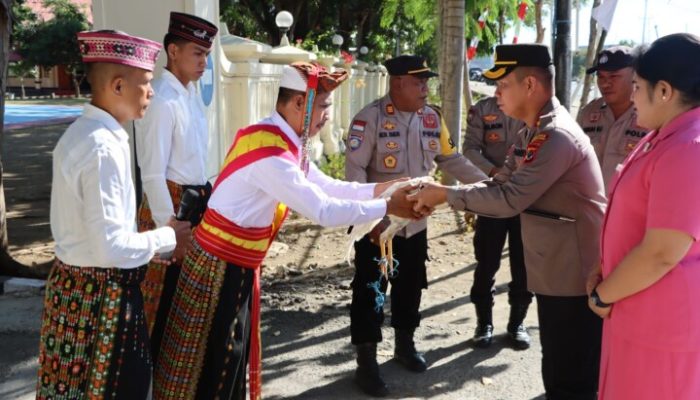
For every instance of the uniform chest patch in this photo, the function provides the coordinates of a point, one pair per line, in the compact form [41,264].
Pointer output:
[430,121]
[594,117]
[392,145]
[389,126]
[355,141]
[433,144]
[358,125]
[493,137]
[434,134]
[489,117]
[534,146]
[390,162]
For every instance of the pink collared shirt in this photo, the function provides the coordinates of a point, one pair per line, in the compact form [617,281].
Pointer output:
[658,187]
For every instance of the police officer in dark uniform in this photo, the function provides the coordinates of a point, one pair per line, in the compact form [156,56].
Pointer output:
[490,135]
[553,180]
[393,137]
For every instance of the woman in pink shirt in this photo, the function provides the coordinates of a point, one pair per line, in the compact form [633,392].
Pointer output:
[648,287]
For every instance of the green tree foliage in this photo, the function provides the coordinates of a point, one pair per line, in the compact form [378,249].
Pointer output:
[23,30]
[54,42]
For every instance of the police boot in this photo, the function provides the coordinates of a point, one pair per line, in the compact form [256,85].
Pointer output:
[516,330]
[483,336]
[405,351]
[367,373]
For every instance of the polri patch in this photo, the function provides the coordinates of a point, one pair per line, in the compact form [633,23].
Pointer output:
[534,146]
[355,141]
[358,125]
[430,121]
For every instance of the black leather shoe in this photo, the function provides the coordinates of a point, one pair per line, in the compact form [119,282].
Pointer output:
[405,351]
[483,336]
[519,337]
[367,375]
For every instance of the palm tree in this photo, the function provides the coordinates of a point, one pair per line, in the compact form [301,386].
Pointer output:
[452,58]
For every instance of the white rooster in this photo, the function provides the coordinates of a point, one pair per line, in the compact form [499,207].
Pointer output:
[386,262]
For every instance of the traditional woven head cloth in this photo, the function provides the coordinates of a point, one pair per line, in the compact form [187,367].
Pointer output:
[192,28]
[118,48]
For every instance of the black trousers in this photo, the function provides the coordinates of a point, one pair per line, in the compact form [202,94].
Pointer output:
[489,239]
[406,287]
[570,334]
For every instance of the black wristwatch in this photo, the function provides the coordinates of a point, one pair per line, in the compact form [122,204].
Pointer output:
[596,299]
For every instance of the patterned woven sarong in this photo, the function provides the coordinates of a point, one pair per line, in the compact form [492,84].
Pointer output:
[94,343]
[179,366]
[152,285]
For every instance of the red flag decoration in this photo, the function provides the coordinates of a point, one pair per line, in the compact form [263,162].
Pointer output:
[522,11]
[471,50]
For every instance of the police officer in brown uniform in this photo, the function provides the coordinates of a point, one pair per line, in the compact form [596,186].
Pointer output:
[554,180]
[490,134]
[611,121]
[393,137]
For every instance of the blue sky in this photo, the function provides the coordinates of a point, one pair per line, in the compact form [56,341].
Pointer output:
[664,16]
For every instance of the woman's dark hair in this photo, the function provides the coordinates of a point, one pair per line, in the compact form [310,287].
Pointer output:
[674,59]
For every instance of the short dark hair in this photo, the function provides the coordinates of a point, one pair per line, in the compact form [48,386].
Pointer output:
[545,75]
[172,39]
[673,59]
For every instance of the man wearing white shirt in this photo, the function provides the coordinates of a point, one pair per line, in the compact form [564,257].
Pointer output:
[216,307]
[93,316]
[171,148]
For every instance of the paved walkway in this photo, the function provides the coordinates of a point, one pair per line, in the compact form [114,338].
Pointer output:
[22,116]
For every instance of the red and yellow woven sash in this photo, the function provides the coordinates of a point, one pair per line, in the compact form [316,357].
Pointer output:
[247,247]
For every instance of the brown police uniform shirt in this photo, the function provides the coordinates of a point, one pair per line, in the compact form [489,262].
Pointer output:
[490,134]
[554,170]
[384,144]
[612,139]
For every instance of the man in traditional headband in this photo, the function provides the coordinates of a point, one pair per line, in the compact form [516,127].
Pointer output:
[209,327]
[94,342]
[171,148]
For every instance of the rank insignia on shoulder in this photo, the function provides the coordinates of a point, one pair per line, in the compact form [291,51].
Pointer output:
[420,111]
[390,162]
[489,117]
[392,145]
[355,141]
[430,121]
[389,126]
[358,125]
[493,137]
[389,109]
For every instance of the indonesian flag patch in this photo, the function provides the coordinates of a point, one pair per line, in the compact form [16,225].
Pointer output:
[358,125]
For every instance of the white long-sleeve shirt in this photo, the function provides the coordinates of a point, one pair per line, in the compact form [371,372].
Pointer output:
[93,205]
[249,196]
[171,143]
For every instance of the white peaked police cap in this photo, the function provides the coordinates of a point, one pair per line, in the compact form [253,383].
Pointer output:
[293,79]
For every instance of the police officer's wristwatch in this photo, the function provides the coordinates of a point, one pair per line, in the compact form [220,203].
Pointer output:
[596,299]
